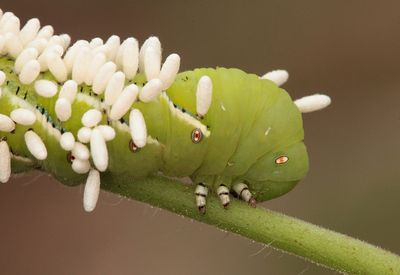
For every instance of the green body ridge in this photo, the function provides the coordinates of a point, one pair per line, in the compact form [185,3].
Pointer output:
[251,123]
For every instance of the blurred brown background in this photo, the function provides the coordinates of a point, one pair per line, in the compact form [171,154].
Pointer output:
[348,49]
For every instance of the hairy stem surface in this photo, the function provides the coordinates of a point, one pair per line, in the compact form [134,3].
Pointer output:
[311,242]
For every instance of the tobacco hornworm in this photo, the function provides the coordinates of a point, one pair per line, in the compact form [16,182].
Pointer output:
[110,107]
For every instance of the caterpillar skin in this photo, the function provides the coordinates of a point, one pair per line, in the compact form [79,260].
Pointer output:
[243,134]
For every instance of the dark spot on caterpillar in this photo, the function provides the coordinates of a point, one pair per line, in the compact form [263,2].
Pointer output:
[183,110]
[70,157]
[175,105]
[4,138]
[8,82]
[199,117]
[197,135]
[133,147]
[81,89]
[57,126]
[17,91]
[26,94]
[135,83]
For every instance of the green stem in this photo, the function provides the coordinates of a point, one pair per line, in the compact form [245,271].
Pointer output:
[311,242]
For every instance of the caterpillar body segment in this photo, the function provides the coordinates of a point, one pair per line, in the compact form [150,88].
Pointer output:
[87,109]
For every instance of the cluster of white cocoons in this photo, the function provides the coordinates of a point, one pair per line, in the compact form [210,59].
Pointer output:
[35,49]
[24,117]
[96,135]
[104,65]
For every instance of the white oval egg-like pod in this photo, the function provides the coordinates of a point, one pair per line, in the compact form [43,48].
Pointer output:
[23,116]
[45,88]
[35,145]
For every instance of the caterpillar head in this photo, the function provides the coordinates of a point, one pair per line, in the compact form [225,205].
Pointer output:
[279,171]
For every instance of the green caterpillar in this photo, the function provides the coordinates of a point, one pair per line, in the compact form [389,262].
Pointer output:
[111,108]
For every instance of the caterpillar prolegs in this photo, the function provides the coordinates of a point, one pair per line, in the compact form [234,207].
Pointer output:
[113,108]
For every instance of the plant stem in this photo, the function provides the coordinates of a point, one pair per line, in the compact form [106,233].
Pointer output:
[311,242]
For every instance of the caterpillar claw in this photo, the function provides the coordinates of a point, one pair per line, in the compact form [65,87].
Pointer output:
[252,202]
[202,210]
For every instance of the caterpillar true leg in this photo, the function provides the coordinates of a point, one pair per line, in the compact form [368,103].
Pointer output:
[243,192]
[223,194]
[201,194]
